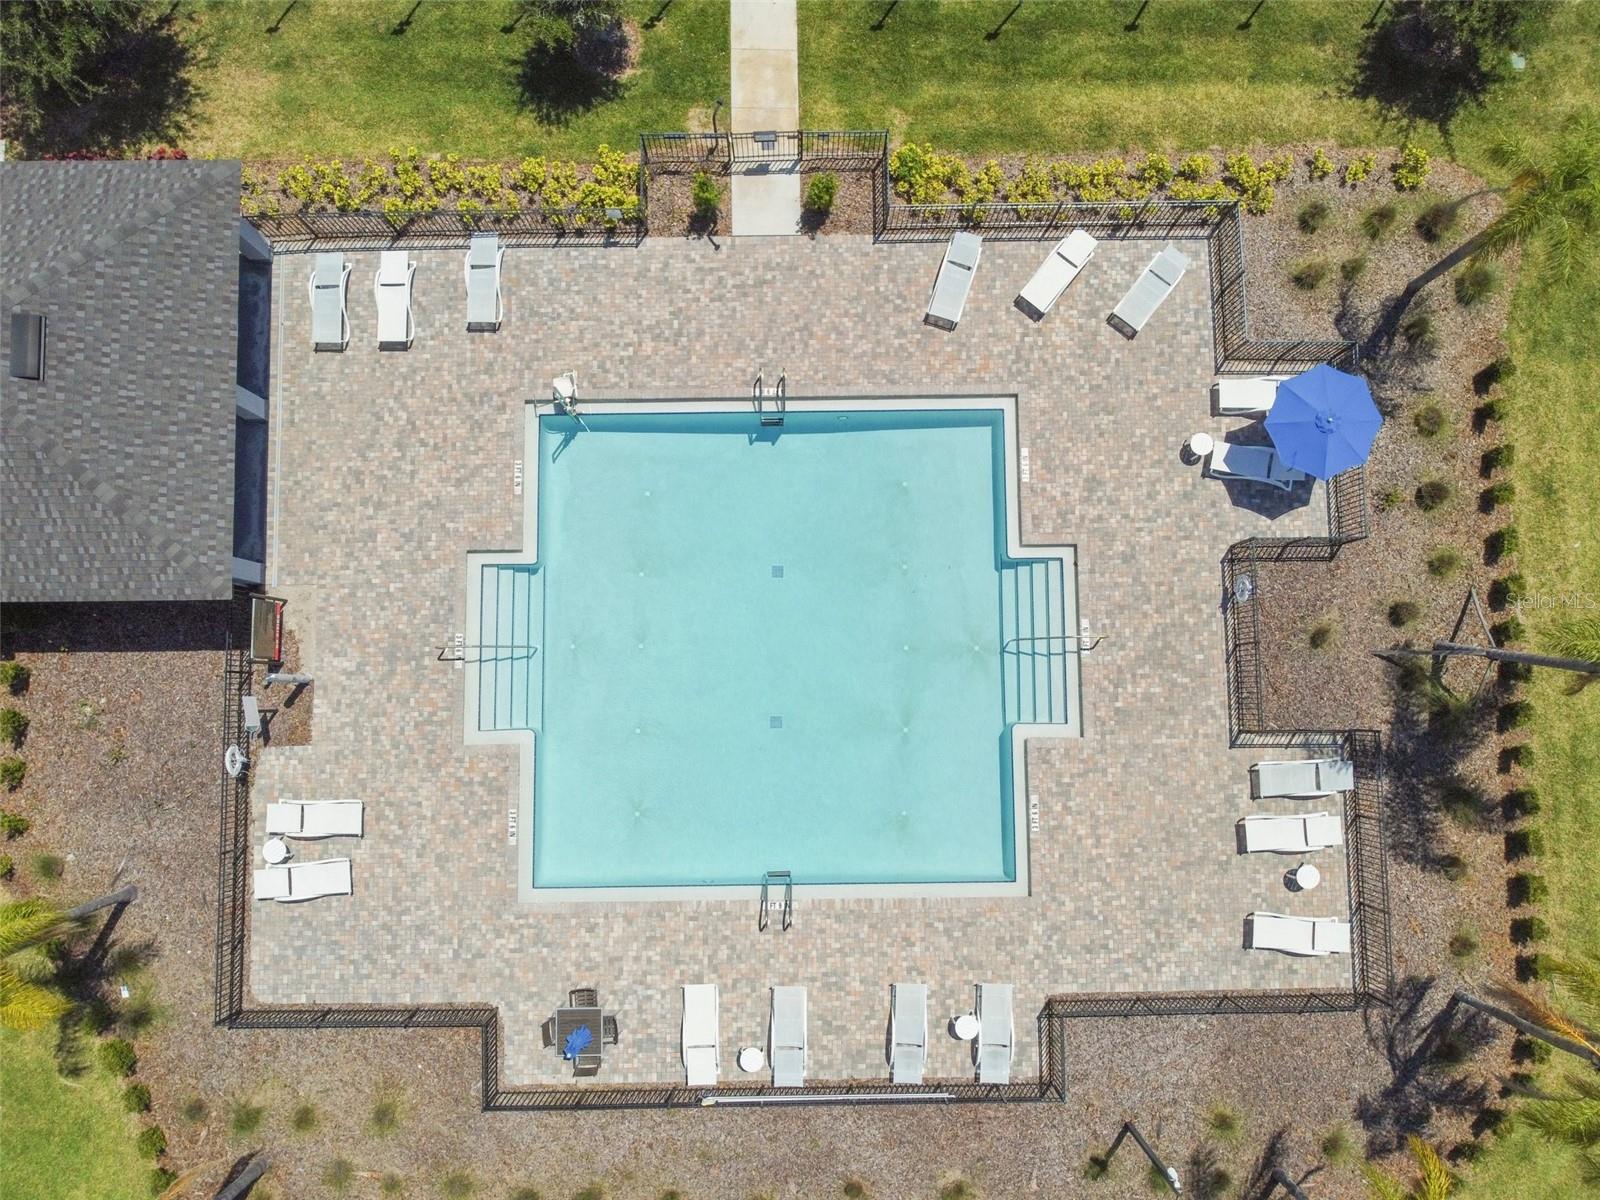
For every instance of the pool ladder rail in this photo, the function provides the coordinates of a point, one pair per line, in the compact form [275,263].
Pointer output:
[768,880]
[771,403]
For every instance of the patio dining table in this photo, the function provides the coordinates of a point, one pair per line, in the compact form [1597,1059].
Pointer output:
[568,1022]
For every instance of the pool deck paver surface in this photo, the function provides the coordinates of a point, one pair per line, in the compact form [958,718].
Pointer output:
[388,467]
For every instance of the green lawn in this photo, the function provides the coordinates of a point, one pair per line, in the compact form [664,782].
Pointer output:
[337,80]
[63,1139]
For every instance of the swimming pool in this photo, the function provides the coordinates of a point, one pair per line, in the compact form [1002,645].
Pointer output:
[744,648]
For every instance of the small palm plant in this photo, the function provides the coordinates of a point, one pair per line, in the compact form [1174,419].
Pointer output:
[29,998]
[1434,1183]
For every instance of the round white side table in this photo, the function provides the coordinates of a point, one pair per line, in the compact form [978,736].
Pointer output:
[1306,876]
[275,850]
[751,1059]
[965,1027]
[1200,444]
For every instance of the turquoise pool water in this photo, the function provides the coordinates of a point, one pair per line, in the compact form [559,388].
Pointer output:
[746,650]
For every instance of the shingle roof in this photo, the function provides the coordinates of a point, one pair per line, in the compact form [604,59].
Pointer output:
[116,468]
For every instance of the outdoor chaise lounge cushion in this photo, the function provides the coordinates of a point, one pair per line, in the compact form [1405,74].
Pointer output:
[1255,464]
[1245,397]
[996,1035]
[1297,935]
[788,1037]
[316,819]
[1290,834]
[483,282]
[391,288]
[954,281]
[330,322]
[1056,273]
[1301,777]
[700,1019]
[304,880]
[1153,286]
[908,1031]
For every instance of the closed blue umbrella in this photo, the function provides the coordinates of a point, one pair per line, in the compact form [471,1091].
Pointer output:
[577,1041]
[1323,421]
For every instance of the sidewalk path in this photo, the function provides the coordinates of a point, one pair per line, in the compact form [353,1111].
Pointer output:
[766,96]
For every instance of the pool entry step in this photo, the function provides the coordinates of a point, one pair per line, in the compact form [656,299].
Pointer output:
[1034,641]
[769,881]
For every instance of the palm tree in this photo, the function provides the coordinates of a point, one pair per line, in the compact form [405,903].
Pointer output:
[1553,198]
[27,998]
[1573,1118]
[1435,1182]
[1577,638]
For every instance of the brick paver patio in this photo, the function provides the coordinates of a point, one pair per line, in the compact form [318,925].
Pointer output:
[388,468]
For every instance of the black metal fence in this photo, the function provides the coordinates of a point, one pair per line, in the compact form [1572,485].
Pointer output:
[803,148]
[370,229]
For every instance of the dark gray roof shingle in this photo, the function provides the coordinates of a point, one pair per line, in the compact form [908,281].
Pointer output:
[116,468]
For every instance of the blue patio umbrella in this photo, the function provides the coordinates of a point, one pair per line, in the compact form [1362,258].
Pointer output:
[1323,421]
[577,1042]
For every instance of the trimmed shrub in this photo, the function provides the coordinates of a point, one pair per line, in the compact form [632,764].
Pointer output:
[1412,676]
[13,726]
[244,1118]
[854,1189]
[1502,543]
[458,1185]
[14,677]
[1453,867]
[1526,931]
[1313,215]
[304,1118]
[338,1175]
[1476,283]
[1524,843]
[1444,562]
[1436,221]
[1428,420]
[117,1056]
[151,1142]
[1508,589]
[1411,171]
[136,1098]
[385,1118]
[1524,888]
[1403,613]
[1514,714]
[706,195]
[1309,275]
[820,193]
[1520,755]
[1489,410]
[1387,499]
[13,825]
[1497,494]
[1319,165]
[1533,1050]
[161,1178]
[1358,168]
[7,867]
[193,1109]
[1322,635]
[1336,1145]
[1499,458]
[1155,170]
[1514,672]
[1431,493]
[392,1184]
[1351,269]
[1376,222]
[1223,1122]
[1196,167]
[45,866]
[1463,944]
[12,772]
[1507,632]
[1532,967]
[1419,333]
[1496,373]
[1522,802]
[1462,804]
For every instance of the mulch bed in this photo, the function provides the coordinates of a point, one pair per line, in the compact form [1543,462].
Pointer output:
[285,708]
[123,759]
[852,203]
[672,212]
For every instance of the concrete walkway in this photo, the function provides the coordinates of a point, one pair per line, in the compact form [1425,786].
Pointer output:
[766,96]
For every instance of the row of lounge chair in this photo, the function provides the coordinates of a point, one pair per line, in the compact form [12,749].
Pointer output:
[391,290]
[789,1050]
[1296,833]
[1053,276]
[309,820]
[1249,397]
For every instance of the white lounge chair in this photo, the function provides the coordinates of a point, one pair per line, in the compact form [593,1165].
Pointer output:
[1254,464]
[1290,834]
[700,1042]
[908,1032]
[1301,777]
[330,318]
[482,269]
[304,880]
[391,288]
[1056,273]
[1246,397]
[954,281]
[1153,286]
[1313,936]
[787,1049]
[315,819]
[996,1034]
